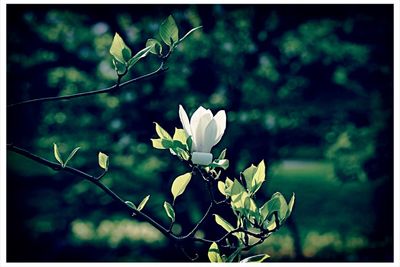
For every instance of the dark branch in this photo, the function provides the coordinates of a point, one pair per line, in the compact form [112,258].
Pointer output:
[118,85]
[94,180]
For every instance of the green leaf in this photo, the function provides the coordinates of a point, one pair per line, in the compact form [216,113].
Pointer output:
[228,186]
[179,184]
[256,258]
[169,210]
[57,154]
[259,177]
[180,135]
[103,161]
[189,32]
[213,253]
[130,204]
[226,225]
[163,134]
[156,47]
[70,156]
[223,154]
[278,204]
[220,163]
[119,67]
[182,153]
[169,31]
[221,187]
[143,203]
[119,50]
[248,176]
[141,54]
[189,142]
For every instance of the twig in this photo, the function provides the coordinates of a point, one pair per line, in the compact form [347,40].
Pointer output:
[94,180]
[160,69]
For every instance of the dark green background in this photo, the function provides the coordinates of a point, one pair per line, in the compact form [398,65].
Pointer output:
[308,88]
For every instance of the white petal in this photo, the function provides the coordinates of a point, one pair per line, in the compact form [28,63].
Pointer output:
[210,134]
[220,119]
[199,131]
[184,120]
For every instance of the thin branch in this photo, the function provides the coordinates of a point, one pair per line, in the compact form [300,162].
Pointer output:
[94,180]
[194,230]
[159,70]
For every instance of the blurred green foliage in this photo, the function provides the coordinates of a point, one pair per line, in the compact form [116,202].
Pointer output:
[306,87]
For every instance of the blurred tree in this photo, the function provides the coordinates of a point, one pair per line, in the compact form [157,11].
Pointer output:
[307,82]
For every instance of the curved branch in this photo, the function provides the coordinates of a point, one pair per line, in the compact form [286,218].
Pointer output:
[118,85]
[94,180]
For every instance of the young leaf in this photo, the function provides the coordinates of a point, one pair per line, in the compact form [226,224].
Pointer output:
[234,254]
[189,32]
[71,155]
[213,253]
[119,50]
[223,154]
[169,31]
[248,176]
[57,154]
[169,210]
[163,134]
[156,47]
[224,224]
[259,177]
[143,203]
[118,66]
[180,135]
[103,161]
[179,184]
[141,54]
[256,258]
[221,163]
[130,204]
[221,187]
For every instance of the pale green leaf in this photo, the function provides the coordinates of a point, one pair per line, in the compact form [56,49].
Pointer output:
[224,224]
[143,203]
[130,204]
[156,47]
[141,54]
[118,66]
[180,135]
[103,161]
[163,134]
[169,31]
[221,187]
[222,155]
[213,253]
[220,163]
[256,258]
[278,204]
[71,155]
[189,32]
[179,184]
[157,143]
[57,154]
[259,177]
[169,210]
[119,50]
[249,176]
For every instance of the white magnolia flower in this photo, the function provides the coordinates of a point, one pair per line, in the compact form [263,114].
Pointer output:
[206,131]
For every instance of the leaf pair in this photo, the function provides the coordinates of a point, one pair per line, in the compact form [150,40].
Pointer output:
[122,54]
[178,188]
[141,204]
[178,144]
[58,157]
[169,32]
